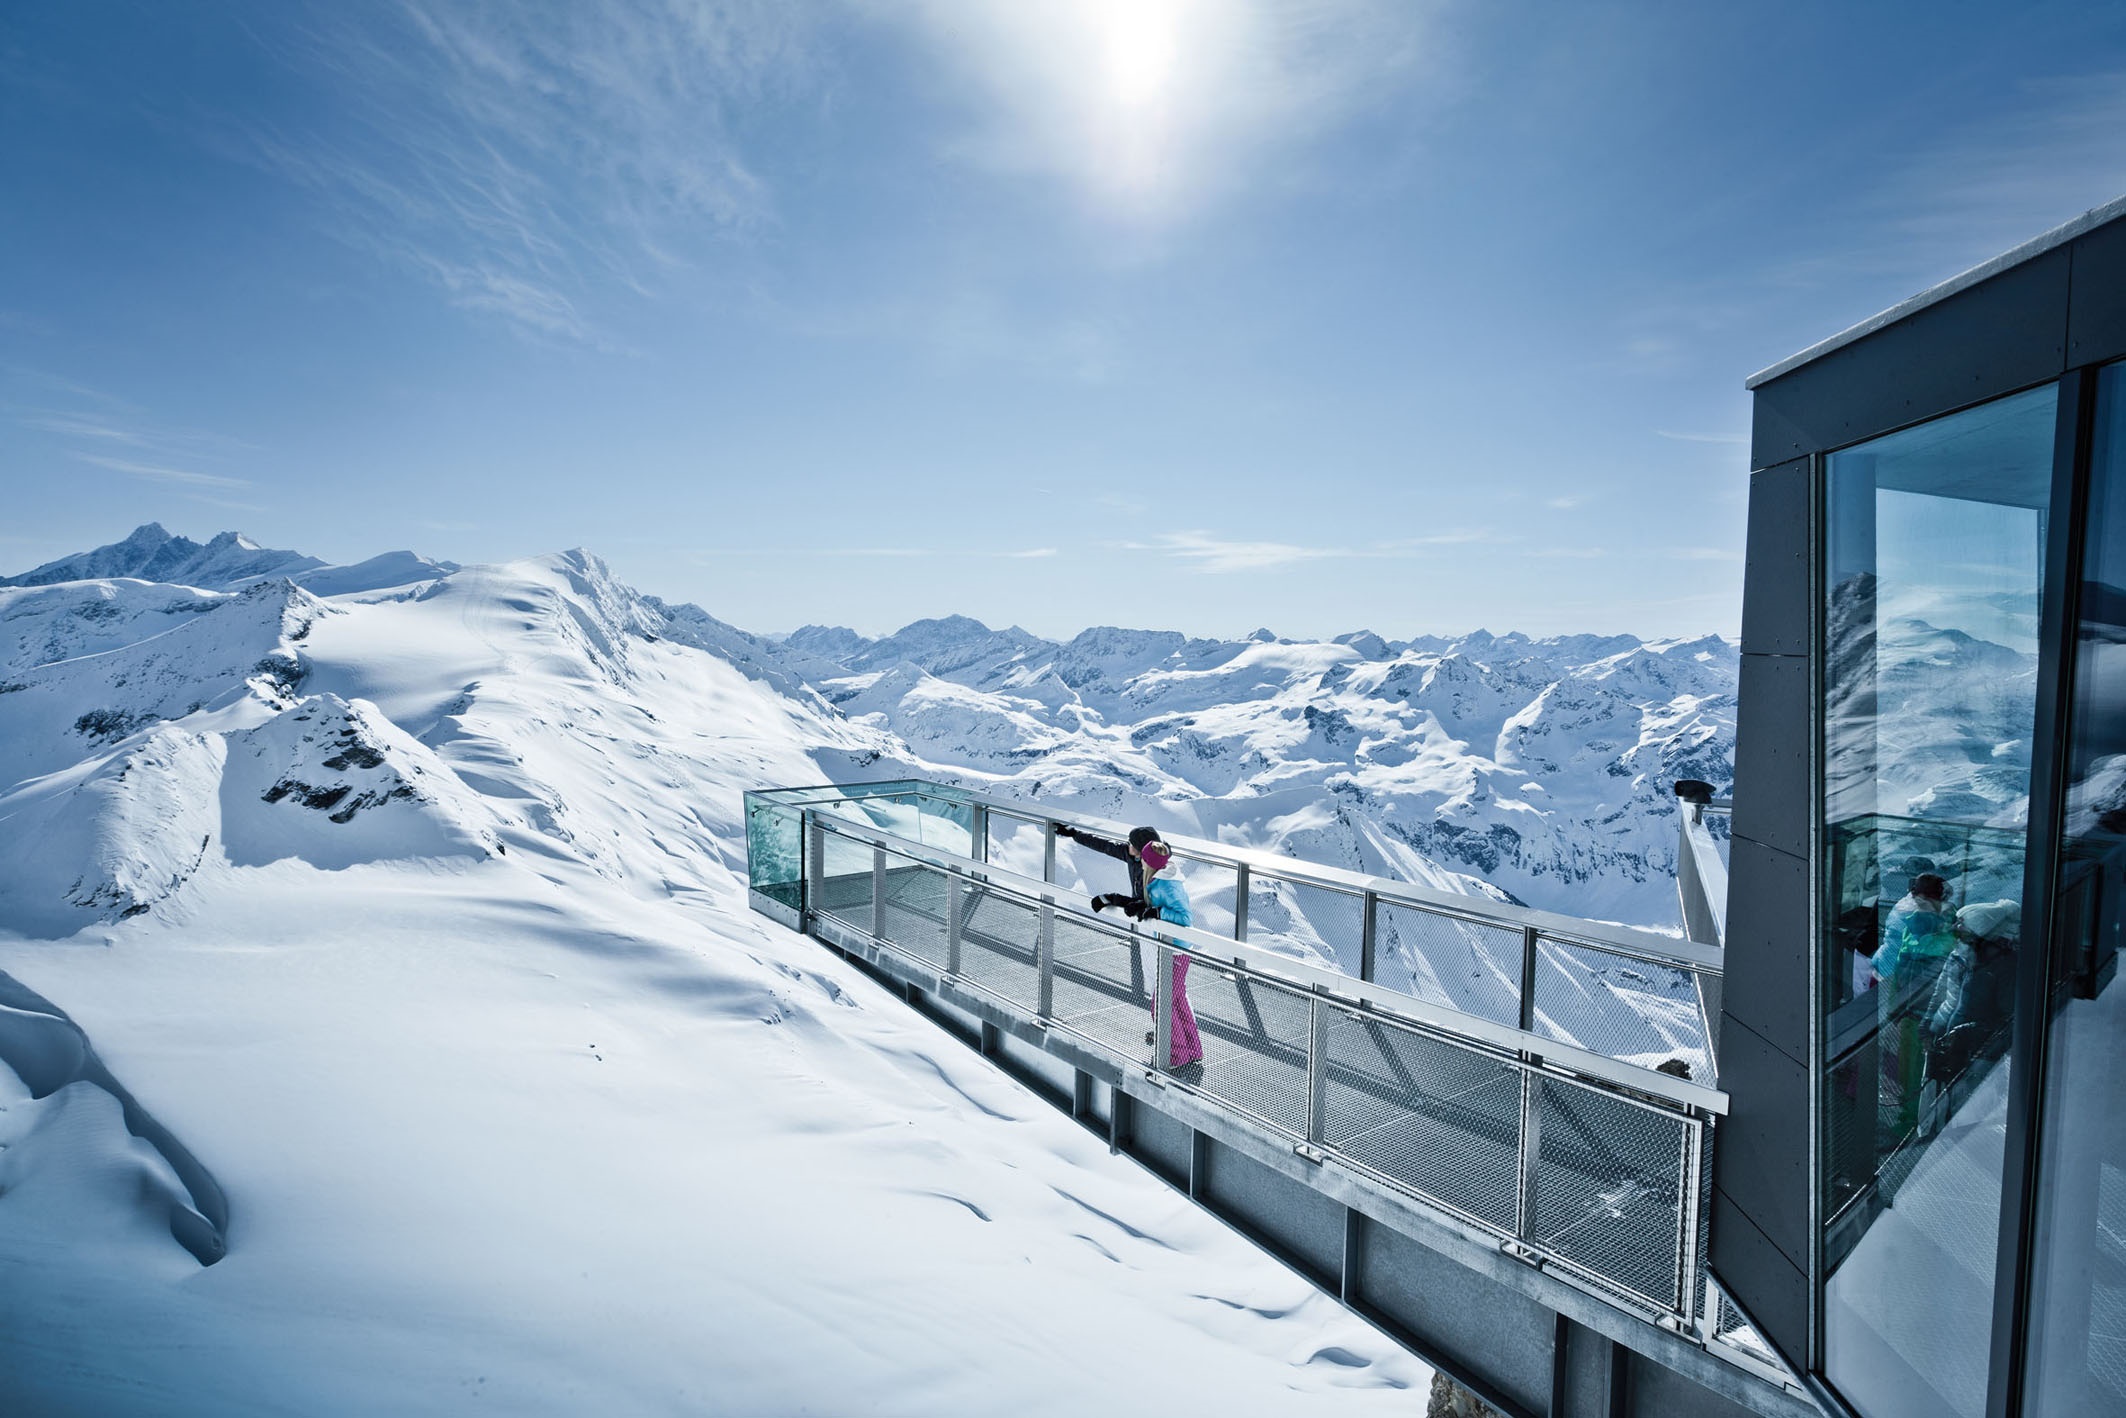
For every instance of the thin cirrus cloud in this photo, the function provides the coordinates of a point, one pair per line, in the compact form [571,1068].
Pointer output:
[1210,554]
[156,472]
[530,164]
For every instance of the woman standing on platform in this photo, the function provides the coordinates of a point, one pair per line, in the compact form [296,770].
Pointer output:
[1156,893]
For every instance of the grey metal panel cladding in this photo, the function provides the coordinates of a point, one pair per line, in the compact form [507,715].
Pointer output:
[1502,1334]
[1773,1293]
[1304,1223]
[1777,594]
[2001,335]
[1774,801]
[1761,1149]
[1658,1390]
[2096,312]
[1162,1142]
[1766,984]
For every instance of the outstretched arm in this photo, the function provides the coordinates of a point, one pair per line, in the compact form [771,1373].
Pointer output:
[1105,846]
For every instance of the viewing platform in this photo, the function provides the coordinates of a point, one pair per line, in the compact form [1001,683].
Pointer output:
[1501,1182]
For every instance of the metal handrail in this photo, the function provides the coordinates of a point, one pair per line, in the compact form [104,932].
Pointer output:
[1283,970]
[1649,947]
[1539,1063]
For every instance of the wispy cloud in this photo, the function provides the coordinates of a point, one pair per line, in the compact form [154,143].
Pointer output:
[1740,439]
[1564,504]
[904,553]
[531,163]
[158,473]
[1212,554]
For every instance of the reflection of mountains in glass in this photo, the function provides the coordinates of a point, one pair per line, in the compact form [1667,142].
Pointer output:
[1923,720]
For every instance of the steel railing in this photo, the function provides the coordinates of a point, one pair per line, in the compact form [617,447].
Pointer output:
[1507,964]
[1592,1167]
[1701,890]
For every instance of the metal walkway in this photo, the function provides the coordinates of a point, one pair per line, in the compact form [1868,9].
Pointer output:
[1332,1118]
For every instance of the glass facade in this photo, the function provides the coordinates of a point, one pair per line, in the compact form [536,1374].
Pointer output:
[1934,559]
[2077,1343]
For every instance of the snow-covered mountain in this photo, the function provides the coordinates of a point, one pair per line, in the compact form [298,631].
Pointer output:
[1541,767]
[411,919]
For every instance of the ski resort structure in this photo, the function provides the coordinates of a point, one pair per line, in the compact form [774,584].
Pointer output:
[1893,1181]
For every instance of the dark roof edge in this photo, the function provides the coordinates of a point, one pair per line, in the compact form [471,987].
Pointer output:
[2037,246]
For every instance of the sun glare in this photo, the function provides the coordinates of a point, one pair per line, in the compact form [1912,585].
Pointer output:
[1141,45]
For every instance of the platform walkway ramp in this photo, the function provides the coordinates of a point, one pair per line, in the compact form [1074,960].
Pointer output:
[1526,1214]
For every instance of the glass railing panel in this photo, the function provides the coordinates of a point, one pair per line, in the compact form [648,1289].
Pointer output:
[1212,889]
[775,859]
[1102,986]
[845,880]
[999,946]
[913,909]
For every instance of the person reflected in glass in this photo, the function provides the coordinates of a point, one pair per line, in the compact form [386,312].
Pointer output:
[1917,940]
[1156,893]
[1973,1001]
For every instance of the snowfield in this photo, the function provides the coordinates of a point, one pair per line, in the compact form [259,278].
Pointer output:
[415,914]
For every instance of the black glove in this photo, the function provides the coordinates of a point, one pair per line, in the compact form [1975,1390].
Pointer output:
[1114,898]
[1070,832]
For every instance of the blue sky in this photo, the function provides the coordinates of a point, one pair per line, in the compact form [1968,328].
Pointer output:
[1409,315]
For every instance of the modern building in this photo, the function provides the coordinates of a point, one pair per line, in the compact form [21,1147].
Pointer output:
[1920,1190]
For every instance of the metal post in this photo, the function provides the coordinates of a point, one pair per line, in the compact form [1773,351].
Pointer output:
[1162,1004]
[978,834]
[1368,932]
[1687,1277]
[1529,936]
[1317,1069]
[1531,1146]
[1240,903]
[1048,850]
[1045,959]
[815,898]
[878,893]
[955,920]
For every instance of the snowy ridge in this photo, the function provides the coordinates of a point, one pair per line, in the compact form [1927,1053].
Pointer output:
[418,913]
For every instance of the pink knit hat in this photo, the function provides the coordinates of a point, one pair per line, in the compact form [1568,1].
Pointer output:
[1155,855]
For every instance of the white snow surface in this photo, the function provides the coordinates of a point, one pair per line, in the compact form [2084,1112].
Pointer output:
[415,909]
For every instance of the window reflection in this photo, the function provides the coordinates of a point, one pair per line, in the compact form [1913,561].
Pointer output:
[1934,562]
[2078,1337]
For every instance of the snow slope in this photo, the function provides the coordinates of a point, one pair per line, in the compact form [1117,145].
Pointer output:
[416,914]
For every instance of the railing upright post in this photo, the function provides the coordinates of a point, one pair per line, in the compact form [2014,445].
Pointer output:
[1368,934]
[1529,936]
[1317,1069]
[878,893]
[1531,1147]
[1240,903]
[978,833]
[1048,851]
[1162,1003]
[955,920]
[1687,1216]
[1045,960]
[815,897]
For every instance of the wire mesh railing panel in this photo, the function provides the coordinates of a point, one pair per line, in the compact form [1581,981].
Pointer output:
[999,946]
[1212,889]
[1102,990]
[1434,1118]
[845,880]
[1619,1007]
[1317,924]
[1609,1189]
[1465,965]
[914,909]
[1255,1038]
